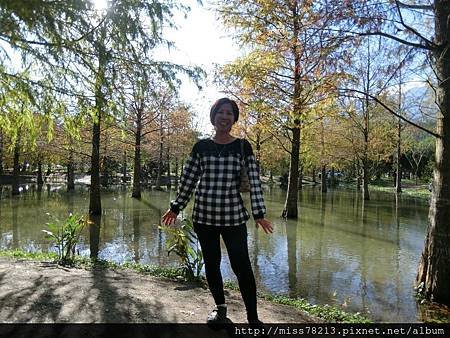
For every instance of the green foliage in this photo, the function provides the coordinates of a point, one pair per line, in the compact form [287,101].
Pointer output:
[20,254]
[66,236]
[183,242]
[86,262]
[326,312]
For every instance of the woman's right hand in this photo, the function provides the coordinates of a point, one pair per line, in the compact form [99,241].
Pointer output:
[169,217]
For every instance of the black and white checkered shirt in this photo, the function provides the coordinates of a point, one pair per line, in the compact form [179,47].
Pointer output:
[214,170]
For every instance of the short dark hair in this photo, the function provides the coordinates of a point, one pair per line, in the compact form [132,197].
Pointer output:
[215,107]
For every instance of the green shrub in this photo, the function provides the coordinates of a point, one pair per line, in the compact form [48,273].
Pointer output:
[66,236]
[184,243]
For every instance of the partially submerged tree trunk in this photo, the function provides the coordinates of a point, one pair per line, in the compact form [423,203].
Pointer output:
[169,183]
[137,161]
[48,172]
[16,168]
[70,174]
[366,110]
[124,167]
[161,149]
[94,235]
[40,179]
[176,172]
[365,179]
[290,206]
[95,204]
[300,178]
[398,171]
[1,152]
[433,277]
[323,178]
[365,159]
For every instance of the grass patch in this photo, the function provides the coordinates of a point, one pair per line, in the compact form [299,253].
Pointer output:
[416,192]
[326,312]
[88,263]
[32,256]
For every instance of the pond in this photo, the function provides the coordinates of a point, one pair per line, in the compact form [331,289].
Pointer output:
[342,251]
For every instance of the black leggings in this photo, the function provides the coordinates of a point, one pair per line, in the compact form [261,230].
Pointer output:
[235,239]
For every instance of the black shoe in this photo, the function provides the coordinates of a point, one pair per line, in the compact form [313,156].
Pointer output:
[255,324]
[218,315]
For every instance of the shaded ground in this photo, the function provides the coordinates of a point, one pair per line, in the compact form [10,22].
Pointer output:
[42,292]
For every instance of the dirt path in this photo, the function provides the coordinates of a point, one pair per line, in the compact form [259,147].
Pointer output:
[42,292]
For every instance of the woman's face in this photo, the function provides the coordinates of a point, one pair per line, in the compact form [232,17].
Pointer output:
[224,118]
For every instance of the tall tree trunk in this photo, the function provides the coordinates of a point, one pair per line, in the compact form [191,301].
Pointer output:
[300,178]
[290,206]
[258,147]
[95,204]
[365,179]
[313,175]
[169,183]
[70,173]
[16,168]
[365,160]
[398,171]
[1,152]
[94,235]
[137,160]
[124,167]
[48,172]
[161,148]
[434,268]
[398,181]
[105,163]
[40,179]
[176,172]
[181,168]
[323,178]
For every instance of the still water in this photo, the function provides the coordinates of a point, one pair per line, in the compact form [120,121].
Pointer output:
[361,256]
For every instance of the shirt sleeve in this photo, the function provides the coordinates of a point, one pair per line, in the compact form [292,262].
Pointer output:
[188,182]
[256,193]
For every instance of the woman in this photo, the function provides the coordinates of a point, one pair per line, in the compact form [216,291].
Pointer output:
[215,164]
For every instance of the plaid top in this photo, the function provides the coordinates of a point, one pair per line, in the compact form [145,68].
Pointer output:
[216,168]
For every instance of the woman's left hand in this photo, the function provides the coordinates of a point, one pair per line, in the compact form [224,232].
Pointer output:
[265,224]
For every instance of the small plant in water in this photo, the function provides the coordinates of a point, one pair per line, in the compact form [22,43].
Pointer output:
[184,243]
[66,236]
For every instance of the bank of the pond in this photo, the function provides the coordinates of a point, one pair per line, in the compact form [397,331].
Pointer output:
[409,189]
[34,289]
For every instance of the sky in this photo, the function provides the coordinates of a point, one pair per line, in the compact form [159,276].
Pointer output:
[200,40]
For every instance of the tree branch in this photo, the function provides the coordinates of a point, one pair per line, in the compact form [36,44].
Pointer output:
[428,42]
[410,6]
[391,111]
